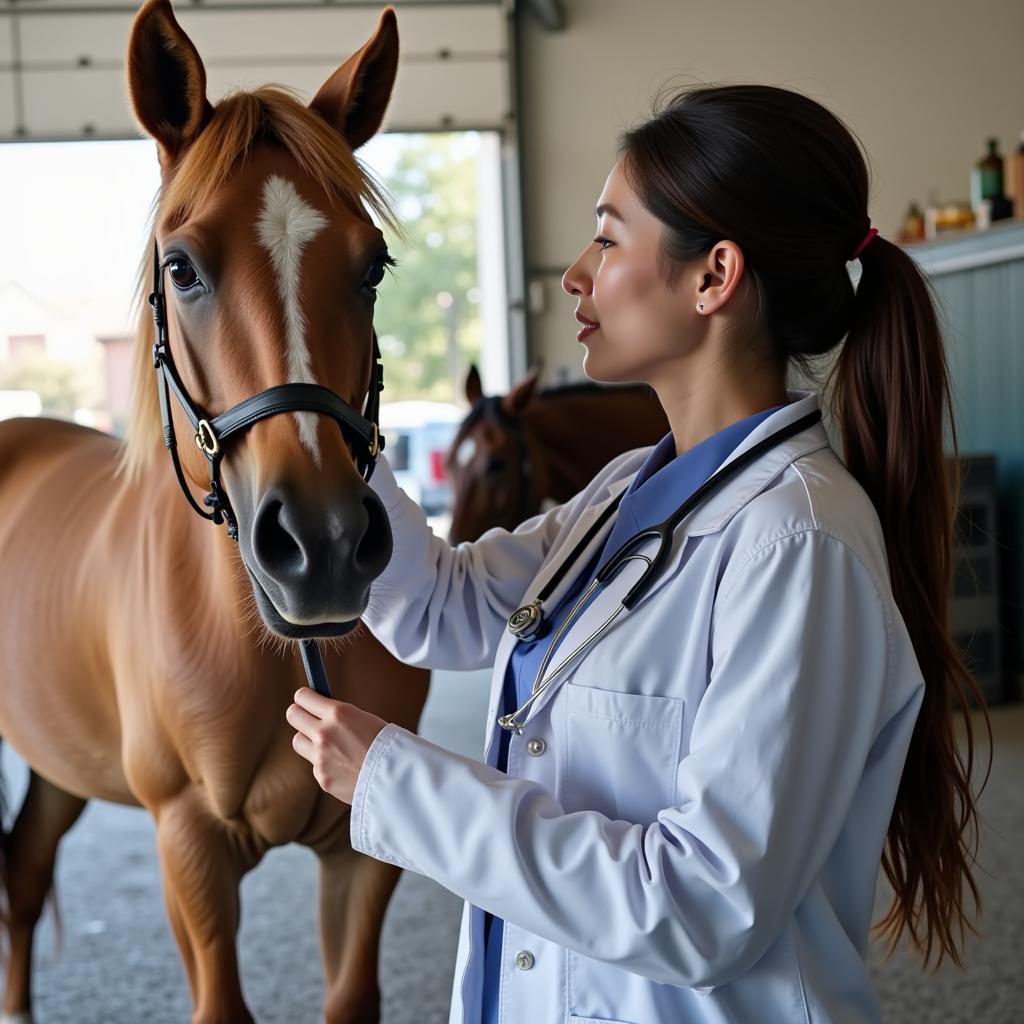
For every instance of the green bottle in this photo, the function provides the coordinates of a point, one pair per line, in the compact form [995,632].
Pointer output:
[987,176]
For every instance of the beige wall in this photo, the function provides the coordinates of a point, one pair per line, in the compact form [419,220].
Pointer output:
[923,83]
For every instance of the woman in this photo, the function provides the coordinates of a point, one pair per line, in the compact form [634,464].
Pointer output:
[689,821]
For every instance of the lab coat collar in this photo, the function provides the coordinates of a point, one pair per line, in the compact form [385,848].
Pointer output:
[715,513]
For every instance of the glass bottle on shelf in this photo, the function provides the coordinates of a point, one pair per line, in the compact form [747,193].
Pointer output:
[912,228]
[987,175]
[1017,173]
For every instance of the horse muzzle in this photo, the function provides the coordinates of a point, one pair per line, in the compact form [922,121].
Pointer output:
[312,561]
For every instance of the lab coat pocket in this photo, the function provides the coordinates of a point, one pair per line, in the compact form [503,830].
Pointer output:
[621,752]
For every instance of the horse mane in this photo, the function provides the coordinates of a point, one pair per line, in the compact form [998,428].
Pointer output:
[272,114]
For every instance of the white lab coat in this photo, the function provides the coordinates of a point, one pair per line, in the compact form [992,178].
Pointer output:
[700,837]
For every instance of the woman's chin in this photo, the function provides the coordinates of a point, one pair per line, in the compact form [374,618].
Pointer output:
[599,370]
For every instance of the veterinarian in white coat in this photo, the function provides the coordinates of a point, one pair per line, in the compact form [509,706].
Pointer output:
[691,822]
[697,835]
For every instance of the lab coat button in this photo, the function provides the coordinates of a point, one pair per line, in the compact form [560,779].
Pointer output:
[536,746]
[524,959]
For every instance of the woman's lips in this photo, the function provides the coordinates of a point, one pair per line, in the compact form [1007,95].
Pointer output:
[586,331]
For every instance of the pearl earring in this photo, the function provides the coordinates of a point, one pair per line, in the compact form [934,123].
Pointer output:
[700,306]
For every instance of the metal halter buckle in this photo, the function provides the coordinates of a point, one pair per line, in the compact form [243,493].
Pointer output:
[206,439]
[375,446]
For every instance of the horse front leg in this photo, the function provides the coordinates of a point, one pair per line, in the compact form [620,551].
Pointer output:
[354,894]
[202,862]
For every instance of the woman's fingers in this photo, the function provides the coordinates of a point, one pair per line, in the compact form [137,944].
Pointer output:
[299,718]
[313,702]
[305,747]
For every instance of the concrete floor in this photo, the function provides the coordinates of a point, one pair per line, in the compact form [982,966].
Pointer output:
[119,962]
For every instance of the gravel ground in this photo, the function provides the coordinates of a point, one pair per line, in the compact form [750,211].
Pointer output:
[118,961]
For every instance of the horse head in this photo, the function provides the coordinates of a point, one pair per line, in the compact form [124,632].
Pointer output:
[489,460]
[270,262]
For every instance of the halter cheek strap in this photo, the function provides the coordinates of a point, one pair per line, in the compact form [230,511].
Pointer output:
[211,433]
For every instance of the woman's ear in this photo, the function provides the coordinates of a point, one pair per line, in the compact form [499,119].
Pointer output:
[166,82]
[356,96]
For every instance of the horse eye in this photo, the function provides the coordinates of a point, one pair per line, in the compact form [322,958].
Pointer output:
[183,274]
[375,274]
[465,452]
[494,466]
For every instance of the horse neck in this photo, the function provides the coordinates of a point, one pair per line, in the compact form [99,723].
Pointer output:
[575,435]
[200,577]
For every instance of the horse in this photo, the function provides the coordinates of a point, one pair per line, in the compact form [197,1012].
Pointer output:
[147,657]
[518,454]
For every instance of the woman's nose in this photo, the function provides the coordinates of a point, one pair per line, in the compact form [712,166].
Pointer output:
[577,280]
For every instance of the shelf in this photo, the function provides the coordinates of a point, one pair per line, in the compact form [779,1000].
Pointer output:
[953,251]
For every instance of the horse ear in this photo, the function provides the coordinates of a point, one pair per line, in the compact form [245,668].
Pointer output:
[355,97]
[166,81]
[474,387]
[517,399]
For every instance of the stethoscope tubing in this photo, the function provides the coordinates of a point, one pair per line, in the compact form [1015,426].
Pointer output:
[508,721]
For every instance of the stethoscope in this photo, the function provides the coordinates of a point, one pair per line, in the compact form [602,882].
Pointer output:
[525,622]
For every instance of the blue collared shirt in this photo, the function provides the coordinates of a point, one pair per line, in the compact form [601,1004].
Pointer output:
[660,486]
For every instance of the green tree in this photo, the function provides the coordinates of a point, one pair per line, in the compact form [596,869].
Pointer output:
[57,384]
[428,314]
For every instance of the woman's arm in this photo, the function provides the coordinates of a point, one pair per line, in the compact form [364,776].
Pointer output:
[808,691]
[441,606]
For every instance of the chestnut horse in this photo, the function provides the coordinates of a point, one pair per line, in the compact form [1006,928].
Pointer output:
[516,455]
[145,657]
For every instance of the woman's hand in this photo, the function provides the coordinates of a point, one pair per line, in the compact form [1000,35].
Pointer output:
[333,737]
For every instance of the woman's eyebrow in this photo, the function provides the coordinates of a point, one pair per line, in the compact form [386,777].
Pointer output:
[610,210]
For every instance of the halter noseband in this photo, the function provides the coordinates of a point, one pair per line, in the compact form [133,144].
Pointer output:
[212,432]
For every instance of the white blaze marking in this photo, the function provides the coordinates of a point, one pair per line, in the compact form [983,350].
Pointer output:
[286,226]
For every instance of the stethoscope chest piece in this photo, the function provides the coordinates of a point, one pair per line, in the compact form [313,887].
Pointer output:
[524,622]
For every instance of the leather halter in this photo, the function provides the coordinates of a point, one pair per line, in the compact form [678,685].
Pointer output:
[211,433]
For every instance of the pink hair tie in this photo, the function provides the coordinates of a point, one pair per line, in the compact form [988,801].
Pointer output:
[863,245]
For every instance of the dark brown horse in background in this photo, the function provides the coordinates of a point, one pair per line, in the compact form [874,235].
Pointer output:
[142,657]
[516,455]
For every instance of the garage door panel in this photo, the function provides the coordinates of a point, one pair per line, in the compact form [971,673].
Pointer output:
[76,104]
[7,122]
[279,34]
[453,71]
[69,39]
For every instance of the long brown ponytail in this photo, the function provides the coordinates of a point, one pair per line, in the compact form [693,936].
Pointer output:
[891,387]
[782,176]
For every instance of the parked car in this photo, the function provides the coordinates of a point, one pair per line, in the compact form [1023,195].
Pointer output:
[19,403]
[417,437]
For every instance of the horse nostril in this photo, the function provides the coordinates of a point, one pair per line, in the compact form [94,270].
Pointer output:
[274,546]
[373,552]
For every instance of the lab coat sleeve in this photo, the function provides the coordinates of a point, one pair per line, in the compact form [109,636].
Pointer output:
[798,683]
[443,606]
